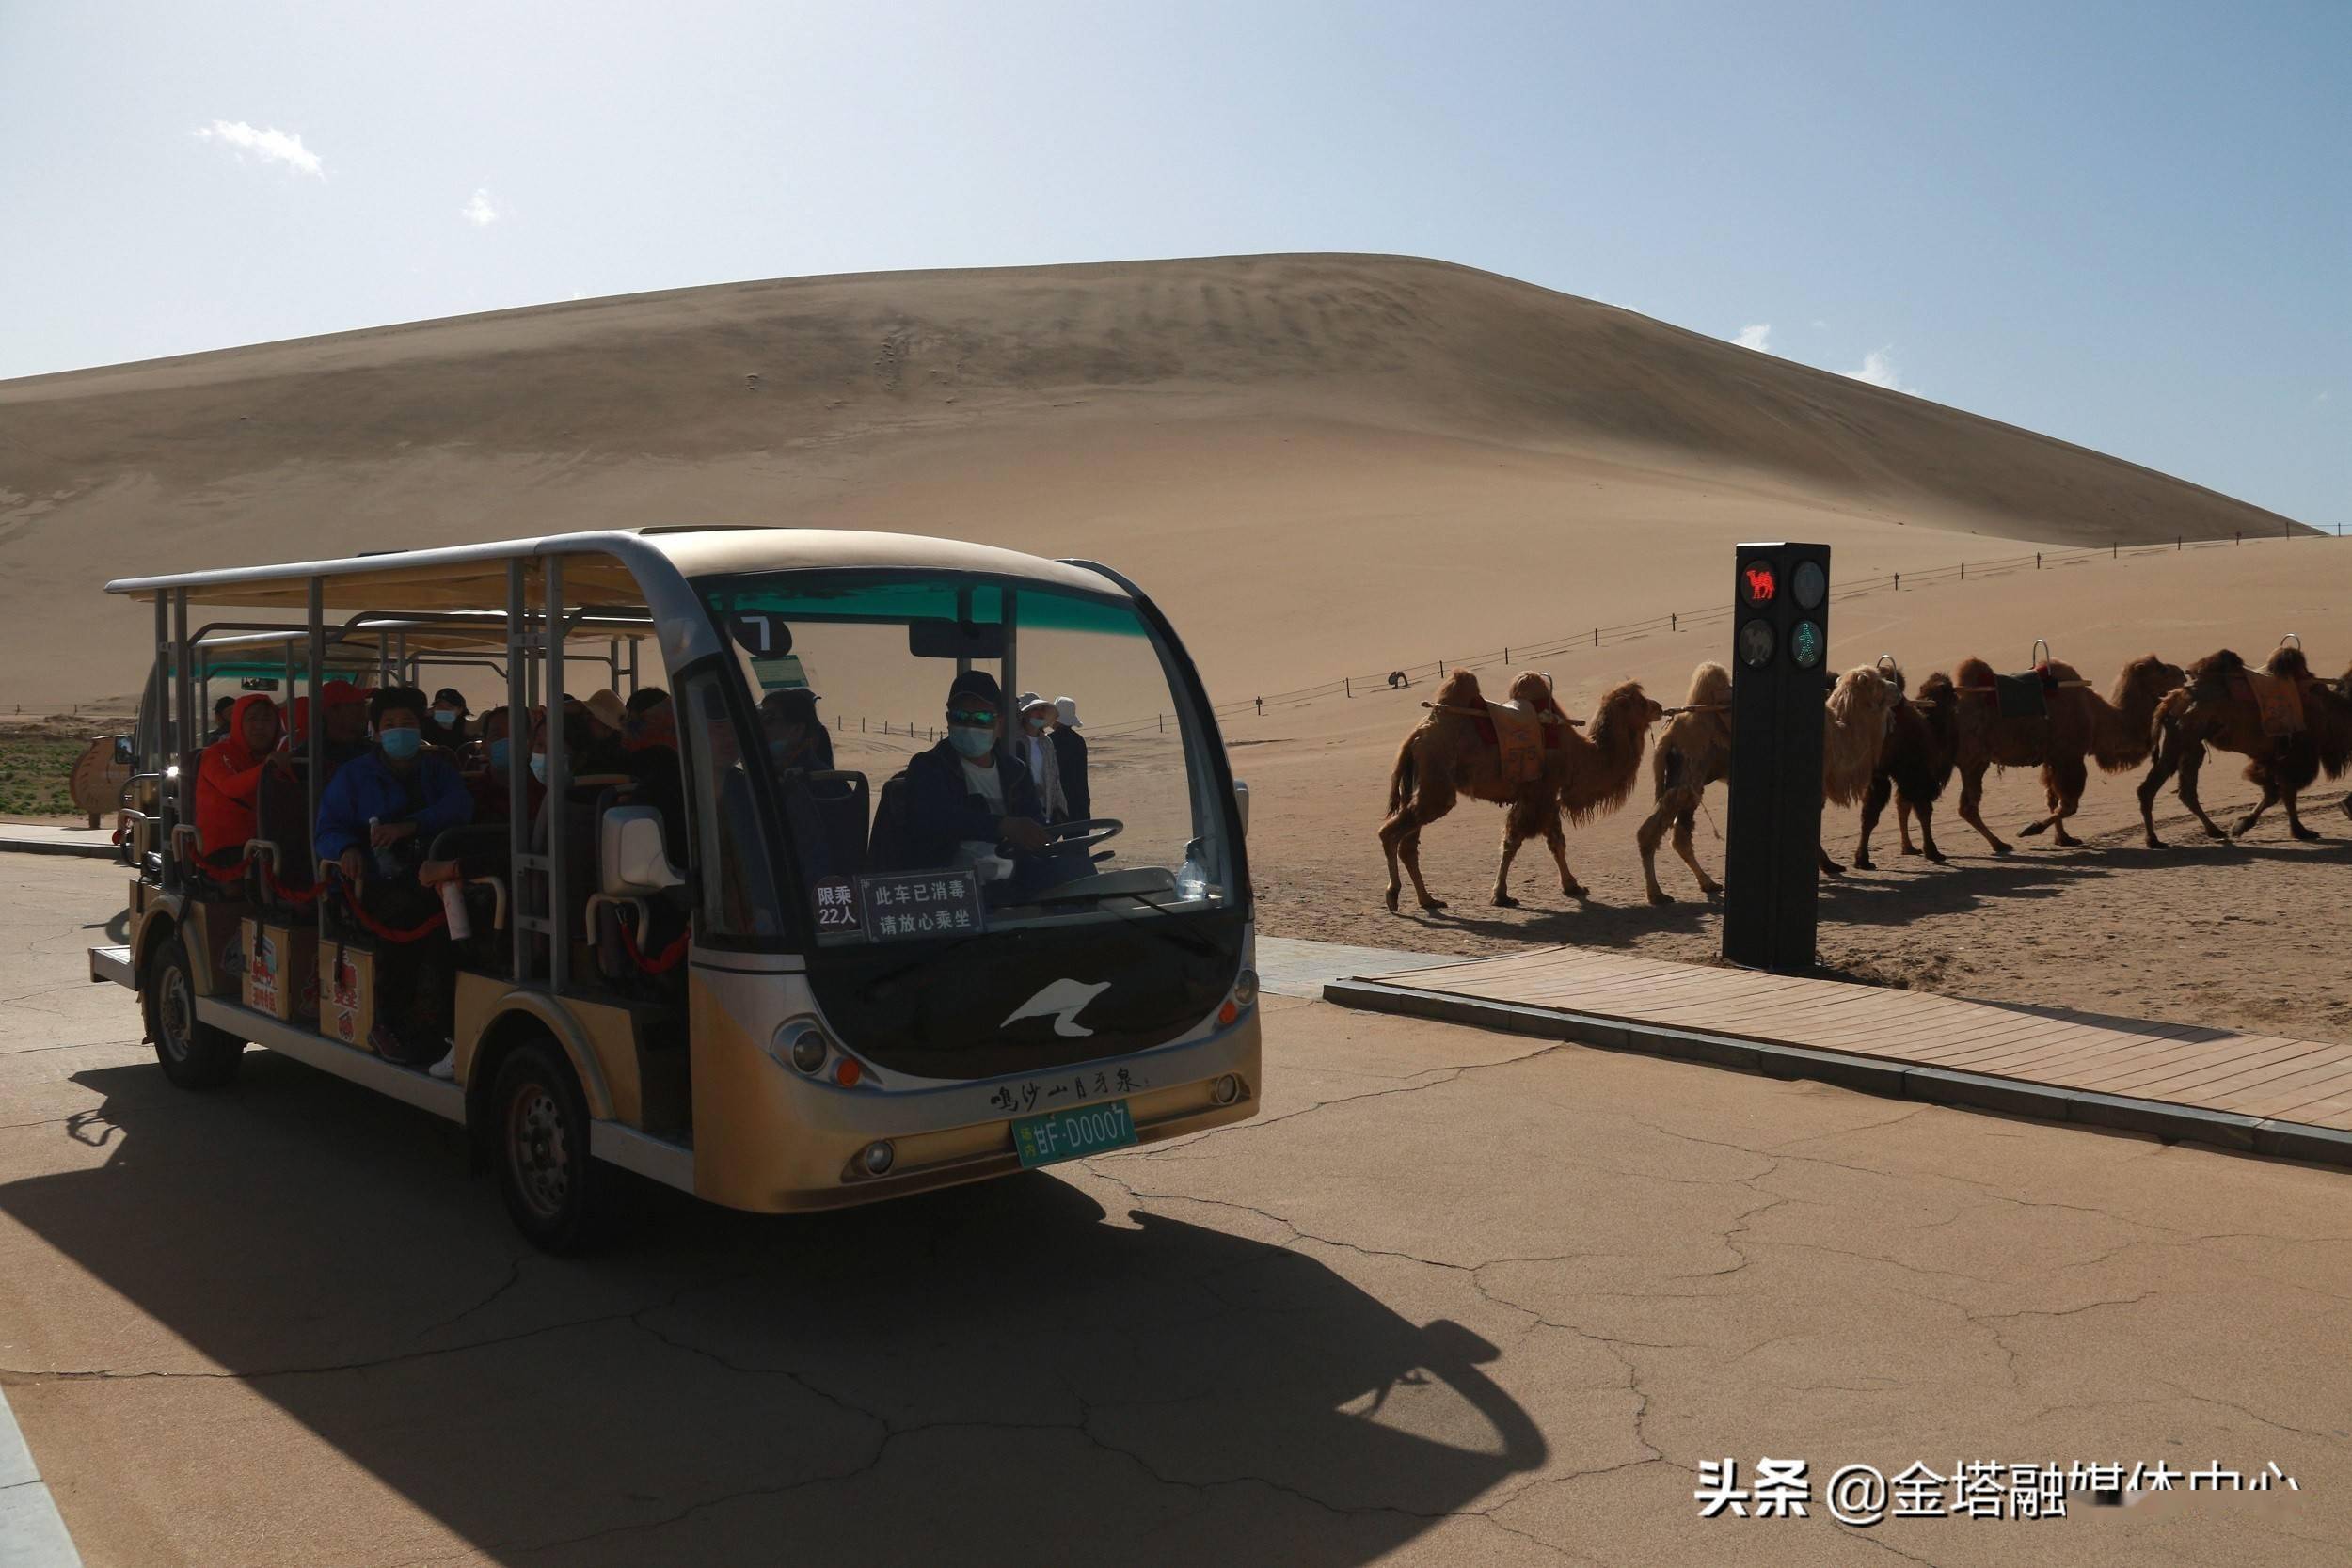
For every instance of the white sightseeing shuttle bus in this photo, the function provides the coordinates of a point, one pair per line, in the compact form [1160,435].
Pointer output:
[778,980]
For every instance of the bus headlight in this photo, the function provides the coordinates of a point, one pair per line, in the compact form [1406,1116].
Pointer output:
[1225,1090]
[875,1159]
[802,1044]
[1246,989]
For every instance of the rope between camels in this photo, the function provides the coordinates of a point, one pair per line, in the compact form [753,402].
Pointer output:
[1480,713]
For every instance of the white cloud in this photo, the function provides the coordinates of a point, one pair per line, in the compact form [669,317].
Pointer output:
[1819,324]
[479,212]
[272,146]
[1878,368]
[1755,337]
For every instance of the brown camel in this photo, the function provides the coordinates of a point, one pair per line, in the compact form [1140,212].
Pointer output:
[2215,710]
[2113,730]
[1692,752]
[1585,775]
[1922,748]
[1854,725]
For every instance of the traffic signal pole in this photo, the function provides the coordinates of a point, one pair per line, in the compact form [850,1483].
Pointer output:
[1780,646]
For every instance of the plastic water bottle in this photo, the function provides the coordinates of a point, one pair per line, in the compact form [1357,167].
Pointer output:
[1193,880]
[453,908]
[386,864]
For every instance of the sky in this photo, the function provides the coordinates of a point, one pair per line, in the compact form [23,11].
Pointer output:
[2128,226]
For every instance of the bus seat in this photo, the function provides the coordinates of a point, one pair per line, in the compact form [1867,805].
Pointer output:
[281,818]
[888,850]
[826,814]
[846,802]
[580,867]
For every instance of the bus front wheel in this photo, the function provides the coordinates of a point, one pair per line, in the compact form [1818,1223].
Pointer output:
[194,1055]
[543,1166]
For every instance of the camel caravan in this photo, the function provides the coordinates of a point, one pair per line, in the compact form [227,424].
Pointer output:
[1880,743]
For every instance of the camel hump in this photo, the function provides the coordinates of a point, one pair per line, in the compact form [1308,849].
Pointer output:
[2288,662]
[1531,689]
[1974,671]
[1460,691]
[1711,683]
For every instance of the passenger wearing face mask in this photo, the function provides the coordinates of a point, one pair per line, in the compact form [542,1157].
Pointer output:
[488,786]
[969,795]
[795,736]
[445,726]
[1036,749]
[377,820]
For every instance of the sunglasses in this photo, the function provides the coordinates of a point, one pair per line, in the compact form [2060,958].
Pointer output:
[982,717]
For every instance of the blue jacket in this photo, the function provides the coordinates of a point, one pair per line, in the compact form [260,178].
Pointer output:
[366,787]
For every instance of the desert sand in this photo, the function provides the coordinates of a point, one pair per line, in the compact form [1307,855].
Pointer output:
[1319,466]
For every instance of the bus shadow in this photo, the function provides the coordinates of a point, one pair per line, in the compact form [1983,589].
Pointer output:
[997,1374]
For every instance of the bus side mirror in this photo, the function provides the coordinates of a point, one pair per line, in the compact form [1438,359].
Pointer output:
[124,755]
[1241,799]
[631,859]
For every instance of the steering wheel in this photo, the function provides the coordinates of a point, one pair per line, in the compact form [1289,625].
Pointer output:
[1084,834]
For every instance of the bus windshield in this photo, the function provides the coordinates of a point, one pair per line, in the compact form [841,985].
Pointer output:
[985,768]
[1027,740]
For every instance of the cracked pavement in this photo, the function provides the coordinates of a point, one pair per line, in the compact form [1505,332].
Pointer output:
[1454,1298]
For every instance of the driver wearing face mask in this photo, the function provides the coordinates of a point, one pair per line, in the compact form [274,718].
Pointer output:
[970,794]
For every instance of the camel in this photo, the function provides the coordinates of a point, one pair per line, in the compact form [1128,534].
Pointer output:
[1855,722]
[2114,731]
[1915,763]
[1586,775]
[1694,750]
[2212,711]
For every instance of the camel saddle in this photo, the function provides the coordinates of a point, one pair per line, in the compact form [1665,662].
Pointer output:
[2279,699]
[1520,736]
[2026,695]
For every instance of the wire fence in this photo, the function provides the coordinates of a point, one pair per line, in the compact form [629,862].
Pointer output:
[1518,654]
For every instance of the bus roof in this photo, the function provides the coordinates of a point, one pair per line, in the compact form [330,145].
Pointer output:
[599,568]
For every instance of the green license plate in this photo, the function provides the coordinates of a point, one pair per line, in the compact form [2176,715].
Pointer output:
[1073,1134]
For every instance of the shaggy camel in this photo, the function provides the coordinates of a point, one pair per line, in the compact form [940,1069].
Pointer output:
[1584,776]
[1922,748]
[1694,750]
[1855,722]
[2214,711]
[2113,730]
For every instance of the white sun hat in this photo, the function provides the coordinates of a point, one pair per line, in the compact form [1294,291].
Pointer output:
[1067,707]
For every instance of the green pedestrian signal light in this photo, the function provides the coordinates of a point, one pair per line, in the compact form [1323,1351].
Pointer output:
[1804,645]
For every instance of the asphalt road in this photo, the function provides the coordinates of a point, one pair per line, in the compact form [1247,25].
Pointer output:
[1454,1298]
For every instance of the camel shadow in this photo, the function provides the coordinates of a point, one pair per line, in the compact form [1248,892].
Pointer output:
[1883,897]
[988,1374]
[1586,924]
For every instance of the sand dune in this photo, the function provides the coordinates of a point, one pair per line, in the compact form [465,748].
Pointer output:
[1317,462]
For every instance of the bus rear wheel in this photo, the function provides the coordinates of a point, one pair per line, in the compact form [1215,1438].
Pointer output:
[549,1182]
[194,1055]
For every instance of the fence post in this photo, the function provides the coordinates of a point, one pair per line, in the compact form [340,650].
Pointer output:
[1673,621]
[2241,536]
[1899,582]
[1347,686]
[2115,550]
[1964,570]
[2176,544]
[1595,637]
[1507,652]
[1163,719]
[2037,561]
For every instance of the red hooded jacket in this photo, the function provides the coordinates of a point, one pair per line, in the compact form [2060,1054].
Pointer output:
[225,784]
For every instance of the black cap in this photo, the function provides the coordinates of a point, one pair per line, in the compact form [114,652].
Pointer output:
[978,683]
[450,694]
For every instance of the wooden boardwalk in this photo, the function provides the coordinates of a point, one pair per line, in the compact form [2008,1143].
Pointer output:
[2218,1077]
